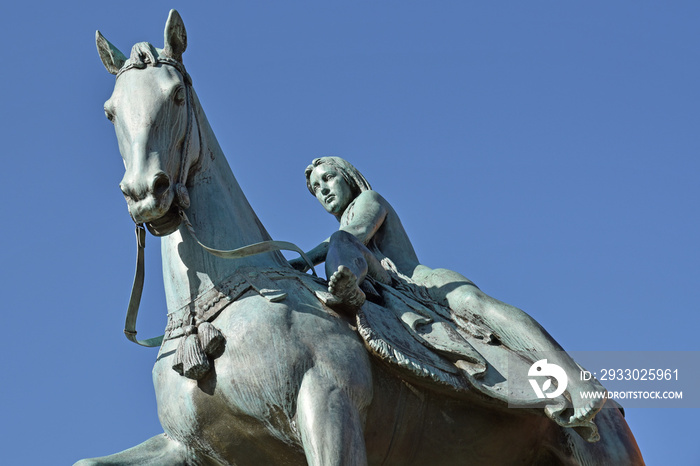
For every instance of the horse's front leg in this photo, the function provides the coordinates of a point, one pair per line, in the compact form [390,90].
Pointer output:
[329,422]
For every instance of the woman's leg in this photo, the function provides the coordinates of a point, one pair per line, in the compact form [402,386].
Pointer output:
[512,327]
[347,264]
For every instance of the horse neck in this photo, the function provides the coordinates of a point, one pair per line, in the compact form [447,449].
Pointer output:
[221,217]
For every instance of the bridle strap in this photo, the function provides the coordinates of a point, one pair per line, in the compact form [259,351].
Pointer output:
[132,311]
[158,60]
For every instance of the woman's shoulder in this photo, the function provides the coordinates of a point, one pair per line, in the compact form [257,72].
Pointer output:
[370,196]
[367,203]
[372,201]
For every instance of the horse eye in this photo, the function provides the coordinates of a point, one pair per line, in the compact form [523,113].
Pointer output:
[179,96]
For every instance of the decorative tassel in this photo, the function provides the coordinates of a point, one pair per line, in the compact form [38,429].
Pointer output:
[177,364]
[194,361]
[190,360]
[211,339]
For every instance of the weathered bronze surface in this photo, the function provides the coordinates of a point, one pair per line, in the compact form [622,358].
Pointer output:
[263,364]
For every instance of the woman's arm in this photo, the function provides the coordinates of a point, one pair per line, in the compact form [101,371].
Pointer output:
[317,256]
[364,216]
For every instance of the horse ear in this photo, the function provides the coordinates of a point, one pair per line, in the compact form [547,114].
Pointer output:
[175,36]
[111,57]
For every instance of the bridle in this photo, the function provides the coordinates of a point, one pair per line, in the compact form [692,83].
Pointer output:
[183,202]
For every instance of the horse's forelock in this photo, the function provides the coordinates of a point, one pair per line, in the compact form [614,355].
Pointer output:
[142,54]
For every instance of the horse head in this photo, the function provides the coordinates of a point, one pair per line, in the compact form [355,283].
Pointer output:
[151,108]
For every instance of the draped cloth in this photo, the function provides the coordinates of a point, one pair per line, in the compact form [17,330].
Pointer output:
[410,330]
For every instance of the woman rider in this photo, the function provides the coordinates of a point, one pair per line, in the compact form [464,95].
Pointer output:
[371,240]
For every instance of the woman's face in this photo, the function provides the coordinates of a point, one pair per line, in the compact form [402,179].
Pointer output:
[331,189]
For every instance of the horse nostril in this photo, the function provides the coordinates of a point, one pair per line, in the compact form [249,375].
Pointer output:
[161,183]
[125,190]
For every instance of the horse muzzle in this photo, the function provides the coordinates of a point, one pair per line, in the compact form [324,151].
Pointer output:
[149,198]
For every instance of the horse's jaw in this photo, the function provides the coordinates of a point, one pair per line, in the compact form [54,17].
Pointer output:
[167,224]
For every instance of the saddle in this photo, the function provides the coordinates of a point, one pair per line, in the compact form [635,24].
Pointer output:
[400,325]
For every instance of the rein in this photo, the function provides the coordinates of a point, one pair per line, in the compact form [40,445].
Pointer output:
[132,311]
[183,202]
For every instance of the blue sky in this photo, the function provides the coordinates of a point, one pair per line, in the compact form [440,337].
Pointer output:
[546,150]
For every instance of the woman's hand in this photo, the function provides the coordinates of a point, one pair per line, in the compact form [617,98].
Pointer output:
[299,264]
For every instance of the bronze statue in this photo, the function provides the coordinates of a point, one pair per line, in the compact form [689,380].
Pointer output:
[254,367]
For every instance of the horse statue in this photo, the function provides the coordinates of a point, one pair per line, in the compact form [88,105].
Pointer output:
[254,368]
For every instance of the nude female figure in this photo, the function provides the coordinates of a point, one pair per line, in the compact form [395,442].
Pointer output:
[372,241]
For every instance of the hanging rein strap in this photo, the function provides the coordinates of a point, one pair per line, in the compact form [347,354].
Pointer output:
[132,311]
[137,288]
